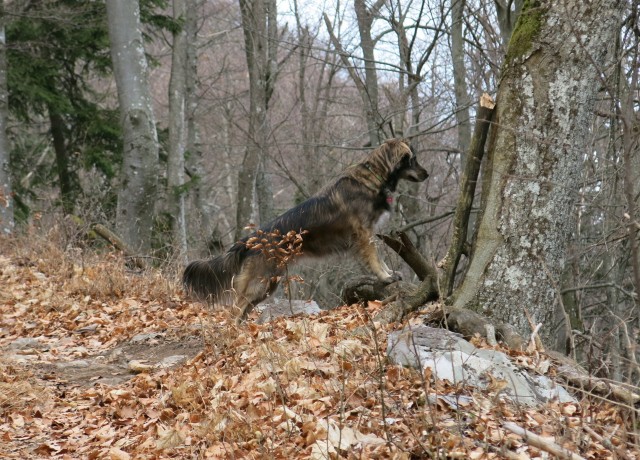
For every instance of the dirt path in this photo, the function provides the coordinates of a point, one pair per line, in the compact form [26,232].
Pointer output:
[144,352]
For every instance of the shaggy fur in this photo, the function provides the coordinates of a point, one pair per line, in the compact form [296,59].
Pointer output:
[340,218]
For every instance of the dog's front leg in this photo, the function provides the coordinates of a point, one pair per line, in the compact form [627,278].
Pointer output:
[369,255]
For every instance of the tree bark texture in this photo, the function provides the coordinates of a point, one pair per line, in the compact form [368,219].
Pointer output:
[365,16]
[260,37]
[544,104]
[6,198]
[139,173]
[177,133]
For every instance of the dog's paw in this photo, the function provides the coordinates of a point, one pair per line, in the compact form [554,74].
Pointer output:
[392,278]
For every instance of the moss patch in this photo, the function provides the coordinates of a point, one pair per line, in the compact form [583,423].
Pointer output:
[526,30]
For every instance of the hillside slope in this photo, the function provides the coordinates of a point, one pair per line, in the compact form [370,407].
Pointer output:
[100,362]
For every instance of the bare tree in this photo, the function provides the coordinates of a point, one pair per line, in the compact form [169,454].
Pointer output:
[261,46]
[459,77]
[544,104]
[406,106]
[178,130]
[368,85]
[6,198]
[314,88]
[138,177]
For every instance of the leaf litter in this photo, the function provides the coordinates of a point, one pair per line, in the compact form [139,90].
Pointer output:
[302,387]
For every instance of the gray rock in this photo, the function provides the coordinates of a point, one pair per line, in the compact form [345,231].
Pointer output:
[452,358]
[75,364]
[171,361]
[24,343]
[140,338]
[283,307]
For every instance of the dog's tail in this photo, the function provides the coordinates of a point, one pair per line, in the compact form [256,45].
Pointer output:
[212,279]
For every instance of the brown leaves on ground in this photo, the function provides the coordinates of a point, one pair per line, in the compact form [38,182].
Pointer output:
[304,387]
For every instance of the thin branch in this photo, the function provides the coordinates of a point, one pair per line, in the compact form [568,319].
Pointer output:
[542,443]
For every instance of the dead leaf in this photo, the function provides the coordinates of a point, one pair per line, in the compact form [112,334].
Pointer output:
[117,454]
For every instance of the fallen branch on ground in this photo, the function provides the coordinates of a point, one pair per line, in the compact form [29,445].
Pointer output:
[542,443]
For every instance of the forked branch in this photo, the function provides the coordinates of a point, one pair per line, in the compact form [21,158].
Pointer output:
[467,191]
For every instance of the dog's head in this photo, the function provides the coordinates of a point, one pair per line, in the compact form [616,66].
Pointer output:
[401,161]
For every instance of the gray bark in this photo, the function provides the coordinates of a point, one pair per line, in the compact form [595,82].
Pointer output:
[459,78]
[313,104]
[260,35]
[365,18]
[544,104]
[6,198]
[139,173]
[178,133]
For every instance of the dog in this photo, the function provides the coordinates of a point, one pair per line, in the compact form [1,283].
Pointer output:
[340,218]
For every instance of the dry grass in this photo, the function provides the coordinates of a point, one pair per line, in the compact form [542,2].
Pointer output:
[87,265]
[19,390]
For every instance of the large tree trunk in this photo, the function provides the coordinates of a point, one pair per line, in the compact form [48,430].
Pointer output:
[544,104]
[6,198]
[139,174]
[177,133]
[260,36]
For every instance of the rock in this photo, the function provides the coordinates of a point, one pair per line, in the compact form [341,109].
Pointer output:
[171,361]
[75,364]
[150,337]
[283,307]
[25,343]
[452,358]
[138,366]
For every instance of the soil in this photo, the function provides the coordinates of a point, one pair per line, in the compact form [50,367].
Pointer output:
[111,366]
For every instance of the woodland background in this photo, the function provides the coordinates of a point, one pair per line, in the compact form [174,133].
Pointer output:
[238,110]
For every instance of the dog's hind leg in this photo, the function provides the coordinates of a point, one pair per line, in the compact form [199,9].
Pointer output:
[257,280]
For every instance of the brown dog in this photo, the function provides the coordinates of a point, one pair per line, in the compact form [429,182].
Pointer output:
[340,218]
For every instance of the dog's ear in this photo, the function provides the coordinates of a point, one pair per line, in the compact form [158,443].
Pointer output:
[404,149]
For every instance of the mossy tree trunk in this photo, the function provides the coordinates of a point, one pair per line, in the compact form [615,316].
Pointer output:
[545,101]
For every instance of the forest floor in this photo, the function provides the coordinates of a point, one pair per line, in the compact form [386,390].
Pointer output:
[101,362]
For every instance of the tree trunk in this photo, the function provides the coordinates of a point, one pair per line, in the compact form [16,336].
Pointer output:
[544,104]
[367,87]
[6,198]
[260,35]
[177,133]
[365,18]
[459,78]
[62,161]
[139,174]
